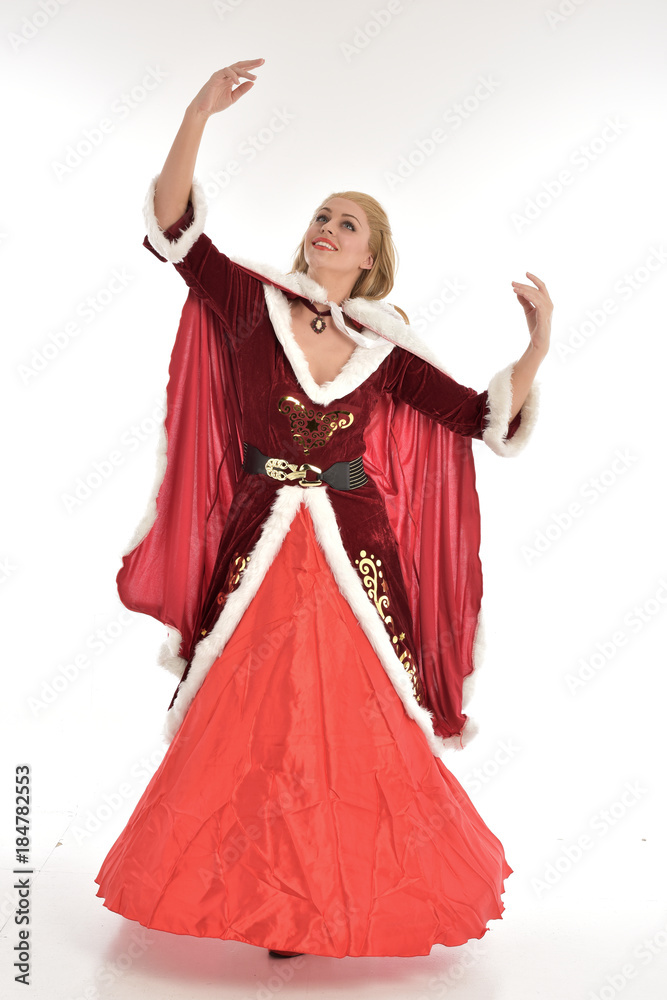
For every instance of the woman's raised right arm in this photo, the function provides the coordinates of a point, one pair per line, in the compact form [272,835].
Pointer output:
[174,184]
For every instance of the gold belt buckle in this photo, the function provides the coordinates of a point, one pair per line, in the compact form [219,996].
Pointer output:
[276,468]
[303,481]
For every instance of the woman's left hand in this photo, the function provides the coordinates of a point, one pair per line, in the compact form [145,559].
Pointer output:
[538,308]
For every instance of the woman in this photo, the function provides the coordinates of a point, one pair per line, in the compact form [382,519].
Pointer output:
[313,550]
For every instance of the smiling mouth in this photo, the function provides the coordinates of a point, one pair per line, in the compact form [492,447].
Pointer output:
[323,245]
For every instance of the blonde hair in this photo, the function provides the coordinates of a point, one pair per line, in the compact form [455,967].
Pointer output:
[378,281]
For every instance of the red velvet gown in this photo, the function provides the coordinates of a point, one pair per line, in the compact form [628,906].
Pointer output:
[299,806]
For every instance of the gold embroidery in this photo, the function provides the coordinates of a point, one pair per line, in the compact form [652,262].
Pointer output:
[374,581]
[236,567]
[312,428]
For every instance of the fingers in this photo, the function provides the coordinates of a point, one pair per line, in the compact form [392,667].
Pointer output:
[238,69]
[243,67]
[241,90]
[538,281]
[541,287]
[526,294]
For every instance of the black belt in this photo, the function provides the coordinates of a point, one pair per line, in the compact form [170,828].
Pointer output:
[340,475]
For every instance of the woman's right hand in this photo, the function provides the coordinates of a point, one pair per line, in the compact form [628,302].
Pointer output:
[217,94]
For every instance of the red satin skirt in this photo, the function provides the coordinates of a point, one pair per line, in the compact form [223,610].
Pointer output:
[298,807]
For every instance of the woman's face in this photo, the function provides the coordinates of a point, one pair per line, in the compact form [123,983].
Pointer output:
[337,237]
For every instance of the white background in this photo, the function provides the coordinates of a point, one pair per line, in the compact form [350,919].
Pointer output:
[478,209]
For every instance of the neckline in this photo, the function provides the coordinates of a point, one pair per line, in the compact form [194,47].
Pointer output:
[301,354]
[373,315]
[358,367]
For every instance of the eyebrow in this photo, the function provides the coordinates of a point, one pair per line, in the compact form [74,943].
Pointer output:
[327,209]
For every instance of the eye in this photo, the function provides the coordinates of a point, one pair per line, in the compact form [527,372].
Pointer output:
[345,223]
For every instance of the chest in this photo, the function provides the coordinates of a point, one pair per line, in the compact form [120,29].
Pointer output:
[327,352]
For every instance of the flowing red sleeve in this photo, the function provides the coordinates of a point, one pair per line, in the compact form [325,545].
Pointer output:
[437,395]
[235,297]
[171,558]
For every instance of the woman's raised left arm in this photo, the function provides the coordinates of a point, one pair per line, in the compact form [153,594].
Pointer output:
[538,308]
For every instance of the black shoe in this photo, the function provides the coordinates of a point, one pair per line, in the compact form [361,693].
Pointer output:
[284,954]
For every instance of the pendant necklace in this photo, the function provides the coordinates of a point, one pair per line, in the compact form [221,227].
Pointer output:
[318,324]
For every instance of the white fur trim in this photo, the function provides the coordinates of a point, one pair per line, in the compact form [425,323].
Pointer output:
[175,250]
[209,648]
[169,656]
[358,367]
[346,576]
[382,317]
[150,514]
[378,317]
[295,281]
[499,411]
[471,727]
[327,532]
